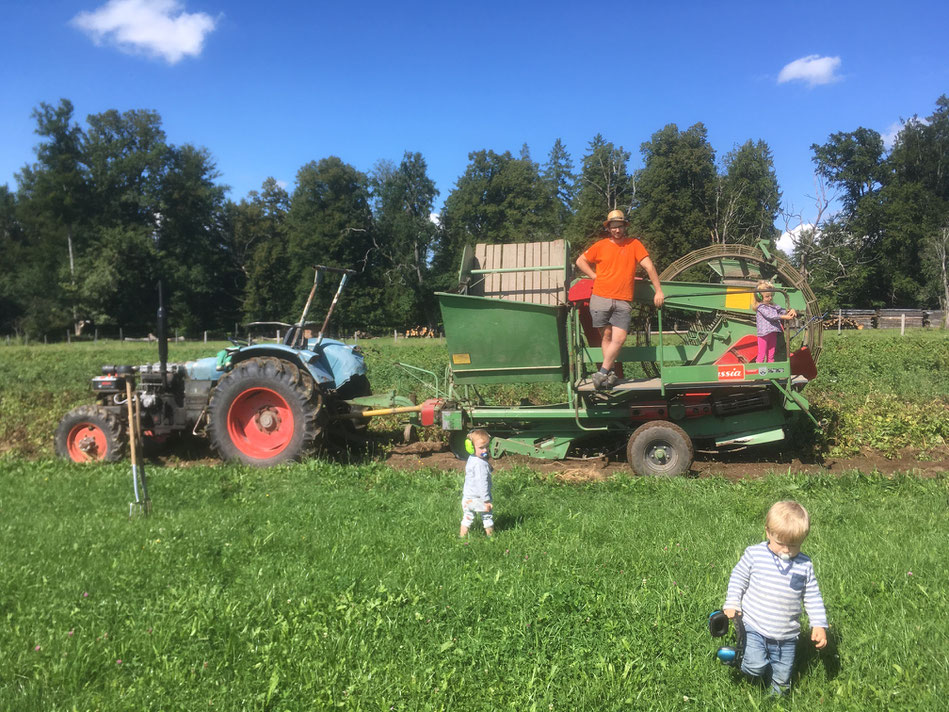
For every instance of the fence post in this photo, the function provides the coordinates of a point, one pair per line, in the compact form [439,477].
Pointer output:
[903,324]
[205,336]
[395,335]
[95,339]
[839,319]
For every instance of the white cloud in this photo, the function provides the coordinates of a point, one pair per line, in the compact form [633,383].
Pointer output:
[812,70]
[435,218]
[788,238]
[158,28]
[890,134]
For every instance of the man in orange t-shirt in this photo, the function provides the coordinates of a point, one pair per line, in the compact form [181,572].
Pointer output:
[611,263]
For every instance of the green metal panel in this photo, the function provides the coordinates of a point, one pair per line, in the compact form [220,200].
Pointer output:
[547,448]
[502,341]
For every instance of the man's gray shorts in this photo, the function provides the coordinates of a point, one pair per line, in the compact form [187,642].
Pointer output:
[612,312]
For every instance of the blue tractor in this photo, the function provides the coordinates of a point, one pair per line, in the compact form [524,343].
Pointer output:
[259,403]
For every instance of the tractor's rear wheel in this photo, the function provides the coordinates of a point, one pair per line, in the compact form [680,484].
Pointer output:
[264,412]
[659,448]
[90,433]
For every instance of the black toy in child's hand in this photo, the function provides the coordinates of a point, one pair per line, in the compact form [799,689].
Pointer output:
[718,627]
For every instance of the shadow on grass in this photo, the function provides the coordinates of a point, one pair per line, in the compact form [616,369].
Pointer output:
[807,656]
[506,522]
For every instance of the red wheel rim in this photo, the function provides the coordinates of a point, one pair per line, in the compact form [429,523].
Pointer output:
[260,423]
[86,442]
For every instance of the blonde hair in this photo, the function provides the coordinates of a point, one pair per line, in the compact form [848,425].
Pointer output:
[763,284]
[480,434]
[789,521]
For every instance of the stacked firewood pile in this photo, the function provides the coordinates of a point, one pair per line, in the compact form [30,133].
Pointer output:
[850,319]
[422,332]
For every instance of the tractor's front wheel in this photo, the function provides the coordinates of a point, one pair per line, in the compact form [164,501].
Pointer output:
[263,413]
[90,433]
[659,448]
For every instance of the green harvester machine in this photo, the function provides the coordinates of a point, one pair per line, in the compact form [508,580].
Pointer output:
[690,378]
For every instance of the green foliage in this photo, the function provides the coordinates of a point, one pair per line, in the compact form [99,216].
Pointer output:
[675,190]
[561,184]
[404,198]
[258,245]
[319,586]
[604,184]
[499,199]
[747,198]
[883,392]
[330,224]
[895,208]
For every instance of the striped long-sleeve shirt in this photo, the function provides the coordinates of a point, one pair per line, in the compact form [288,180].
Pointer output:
[769,593]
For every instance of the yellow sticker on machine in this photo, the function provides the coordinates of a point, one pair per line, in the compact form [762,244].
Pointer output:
[460,358]
[739,298]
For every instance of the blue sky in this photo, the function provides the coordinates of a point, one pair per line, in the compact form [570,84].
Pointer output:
[267,87]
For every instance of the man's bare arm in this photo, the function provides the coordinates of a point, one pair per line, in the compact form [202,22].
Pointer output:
[650,268]
[583,264]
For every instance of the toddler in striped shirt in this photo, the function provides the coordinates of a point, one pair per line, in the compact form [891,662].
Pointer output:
[767,587]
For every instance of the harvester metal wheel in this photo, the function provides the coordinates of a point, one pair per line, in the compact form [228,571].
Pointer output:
[700,266]
[659,448]
[262,413]
[90,433]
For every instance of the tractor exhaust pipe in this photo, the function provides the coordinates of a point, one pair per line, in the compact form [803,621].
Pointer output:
[162,338]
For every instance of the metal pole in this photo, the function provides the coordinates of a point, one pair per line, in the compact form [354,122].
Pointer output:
[903,324]
[839,320]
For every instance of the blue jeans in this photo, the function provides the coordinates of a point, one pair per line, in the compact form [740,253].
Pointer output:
[762,653]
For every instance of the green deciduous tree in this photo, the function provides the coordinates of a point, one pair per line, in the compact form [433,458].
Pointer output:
[330,223]
[499,199]
[604,185]
[205,285]
[258,247]
[675,190]
[53,211]
[746,198]
[403,200]
[128,158]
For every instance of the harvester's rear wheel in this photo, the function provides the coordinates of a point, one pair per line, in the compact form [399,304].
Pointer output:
[263,413]
[90,433]
[659,448]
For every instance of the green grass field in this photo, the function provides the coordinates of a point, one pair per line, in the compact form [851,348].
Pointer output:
[323,586]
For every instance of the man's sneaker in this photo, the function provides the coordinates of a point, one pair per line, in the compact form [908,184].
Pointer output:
[611,380]
[599,380]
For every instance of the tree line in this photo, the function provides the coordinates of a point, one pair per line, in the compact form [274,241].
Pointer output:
[110,208]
